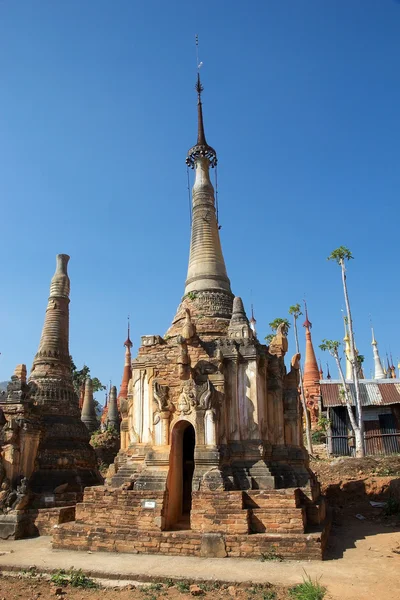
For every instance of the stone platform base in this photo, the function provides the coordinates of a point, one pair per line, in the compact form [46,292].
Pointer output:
[32,522]
[300,546]
[222,523]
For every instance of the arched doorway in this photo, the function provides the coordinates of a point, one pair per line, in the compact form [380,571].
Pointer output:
[180,476]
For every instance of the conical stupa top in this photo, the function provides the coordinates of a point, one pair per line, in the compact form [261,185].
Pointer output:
[206,270]
[113,415]
[321,372]
[379,373]
[201,149]
[328,375]
[307,323]
[128,342]
[311,371]
[127,373]
[54,342]
[253,321]
[88,415]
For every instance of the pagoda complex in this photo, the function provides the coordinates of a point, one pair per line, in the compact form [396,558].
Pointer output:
[212,461]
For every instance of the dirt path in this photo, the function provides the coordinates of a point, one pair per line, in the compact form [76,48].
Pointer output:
[363,561]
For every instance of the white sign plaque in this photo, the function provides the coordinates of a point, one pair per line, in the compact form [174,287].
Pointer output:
[149,504]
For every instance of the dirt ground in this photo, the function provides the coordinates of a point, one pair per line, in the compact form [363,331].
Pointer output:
[362,559]
[37,588]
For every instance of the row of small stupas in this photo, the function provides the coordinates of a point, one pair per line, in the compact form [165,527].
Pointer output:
[315,382]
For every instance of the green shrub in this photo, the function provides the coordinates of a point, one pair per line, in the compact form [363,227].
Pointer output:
[74,578]
[182,586]
[308,590]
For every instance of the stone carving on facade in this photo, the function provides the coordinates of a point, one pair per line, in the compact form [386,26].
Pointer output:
[194,396]
[188,329]
[161,402]
[183,360]
[292,379]
[279,343]
[239,326]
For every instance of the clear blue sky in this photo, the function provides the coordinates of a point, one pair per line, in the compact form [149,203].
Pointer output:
[97,111]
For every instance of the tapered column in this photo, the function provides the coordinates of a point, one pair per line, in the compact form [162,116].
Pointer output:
[88,416]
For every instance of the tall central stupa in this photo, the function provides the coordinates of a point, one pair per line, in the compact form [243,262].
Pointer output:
[211,431]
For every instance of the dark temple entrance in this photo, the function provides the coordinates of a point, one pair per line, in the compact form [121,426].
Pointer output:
[180,476]
[187,470]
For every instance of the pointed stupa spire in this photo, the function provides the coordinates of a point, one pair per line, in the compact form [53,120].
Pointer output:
[253,322]
[64,454]
[328,375]
[347,351]
[379,372]
[321,372]
[311,371]
[113,419]
[239,324]
[53,352]
[206,271]
[88,415]
[388,369]
[127,374]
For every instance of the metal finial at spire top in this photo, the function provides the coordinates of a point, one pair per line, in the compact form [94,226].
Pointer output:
[307,323]
[201,149]
[328,375]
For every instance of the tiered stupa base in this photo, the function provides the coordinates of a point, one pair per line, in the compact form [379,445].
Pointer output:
[247,524]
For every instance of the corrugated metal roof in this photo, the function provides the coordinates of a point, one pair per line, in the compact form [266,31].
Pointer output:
[372,393]
[330,394]
[390,393]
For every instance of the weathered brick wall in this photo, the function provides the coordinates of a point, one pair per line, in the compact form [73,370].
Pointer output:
[42,521]
[105,506]
[275,511]
[289,546]
[219,512]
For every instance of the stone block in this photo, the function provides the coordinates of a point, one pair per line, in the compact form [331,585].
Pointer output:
[213,546]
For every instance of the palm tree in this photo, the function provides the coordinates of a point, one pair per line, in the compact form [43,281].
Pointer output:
[332,346]
[340,255]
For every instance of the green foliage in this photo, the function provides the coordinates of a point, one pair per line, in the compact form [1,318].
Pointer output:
[182,586]
[271,554]
[360,358]
[106,439]
[276,322]
[392,507]
[340,255]
[74,578]
[308,590]
[191,295]
[332,346]
[169,582]
[295,310]
[268,595]
[79,377]
[274,326]
[318,436]
[323,424]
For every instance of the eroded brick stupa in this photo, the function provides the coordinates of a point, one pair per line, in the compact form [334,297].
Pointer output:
[212,461]
[46,458]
